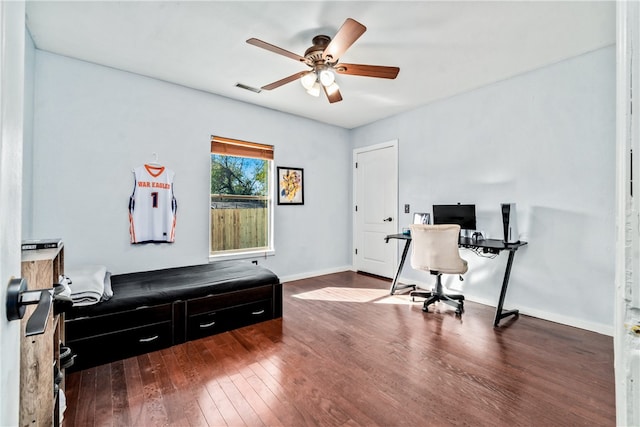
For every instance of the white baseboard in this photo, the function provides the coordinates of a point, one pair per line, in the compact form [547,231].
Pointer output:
[551,317]
[534,312]
[307,275]
[528,311]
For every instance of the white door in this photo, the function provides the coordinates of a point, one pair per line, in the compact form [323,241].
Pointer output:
[627,296]
[12,34]
[376,211]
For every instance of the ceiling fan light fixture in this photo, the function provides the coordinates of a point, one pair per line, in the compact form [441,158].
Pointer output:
[327,78]
[323,60]
[314,90]
[308,80]
[332,88]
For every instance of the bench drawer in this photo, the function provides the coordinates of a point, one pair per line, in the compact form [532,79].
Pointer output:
[211,303]
[84,327]
[105,348]
[213,322]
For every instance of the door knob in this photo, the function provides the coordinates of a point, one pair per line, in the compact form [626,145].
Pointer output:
[388,219]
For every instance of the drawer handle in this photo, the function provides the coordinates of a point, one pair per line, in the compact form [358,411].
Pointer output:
[207,325]
[256,313]
[149,339]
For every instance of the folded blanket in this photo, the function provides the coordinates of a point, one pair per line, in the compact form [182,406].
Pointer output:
[64,282]
[108,292]
[87,283]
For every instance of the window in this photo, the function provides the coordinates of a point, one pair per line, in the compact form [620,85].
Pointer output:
[241,204]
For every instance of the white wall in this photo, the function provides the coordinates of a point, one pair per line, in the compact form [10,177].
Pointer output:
[544,140]
[94,124]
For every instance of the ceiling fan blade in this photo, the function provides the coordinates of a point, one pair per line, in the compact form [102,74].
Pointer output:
[275,49]
[367,70]
[350,31]
[284,81]
[333,94]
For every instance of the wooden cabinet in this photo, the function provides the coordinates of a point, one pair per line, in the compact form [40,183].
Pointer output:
[40,354]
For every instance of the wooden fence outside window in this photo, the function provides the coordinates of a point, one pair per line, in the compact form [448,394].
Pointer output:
[238,222]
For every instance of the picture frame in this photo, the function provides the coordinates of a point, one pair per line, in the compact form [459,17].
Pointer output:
[290,186]
[421,218]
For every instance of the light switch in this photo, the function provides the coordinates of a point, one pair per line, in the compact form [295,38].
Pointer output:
[406,208]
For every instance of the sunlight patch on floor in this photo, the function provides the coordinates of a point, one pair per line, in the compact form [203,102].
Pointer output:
[402,299]
[331,293]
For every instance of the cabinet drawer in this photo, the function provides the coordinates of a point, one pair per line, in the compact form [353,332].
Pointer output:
[213,322]
[230,299]
[100,349]
[85,327]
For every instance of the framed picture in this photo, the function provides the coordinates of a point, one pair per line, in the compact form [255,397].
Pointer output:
[421,218]
[290,186]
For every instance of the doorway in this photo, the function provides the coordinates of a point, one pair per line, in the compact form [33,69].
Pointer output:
[376,208]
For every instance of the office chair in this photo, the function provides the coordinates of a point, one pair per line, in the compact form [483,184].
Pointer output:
[435,249]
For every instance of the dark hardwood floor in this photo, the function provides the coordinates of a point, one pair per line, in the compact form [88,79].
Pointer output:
[347,354]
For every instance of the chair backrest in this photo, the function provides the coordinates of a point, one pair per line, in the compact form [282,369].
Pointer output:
[435,248]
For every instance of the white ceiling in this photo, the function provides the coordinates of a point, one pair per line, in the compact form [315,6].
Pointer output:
[442,47]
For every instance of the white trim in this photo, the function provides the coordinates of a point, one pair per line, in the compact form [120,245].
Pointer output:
[627,268]
[242,255]
[528,311]
[310,274]
[388,144]
[272,204]
[379,146]
[599,328]
[622,82]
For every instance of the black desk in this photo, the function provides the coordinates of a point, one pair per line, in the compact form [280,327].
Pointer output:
[489,246]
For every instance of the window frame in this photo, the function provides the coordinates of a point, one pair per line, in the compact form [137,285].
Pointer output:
[239,148]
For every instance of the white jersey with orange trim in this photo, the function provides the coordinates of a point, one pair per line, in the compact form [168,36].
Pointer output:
[152,205]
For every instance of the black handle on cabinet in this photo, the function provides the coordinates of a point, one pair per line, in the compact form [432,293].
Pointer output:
[388,219]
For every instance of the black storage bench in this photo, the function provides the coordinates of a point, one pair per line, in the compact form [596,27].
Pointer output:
[156,309]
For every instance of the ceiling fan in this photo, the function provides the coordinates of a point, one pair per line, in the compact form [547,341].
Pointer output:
[323,58]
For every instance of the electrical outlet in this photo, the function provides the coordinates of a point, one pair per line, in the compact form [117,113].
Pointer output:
[406,208]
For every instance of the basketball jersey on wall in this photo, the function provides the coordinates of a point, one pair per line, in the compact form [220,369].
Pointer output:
[152,205]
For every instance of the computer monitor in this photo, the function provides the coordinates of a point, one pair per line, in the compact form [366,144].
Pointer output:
[463,215]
